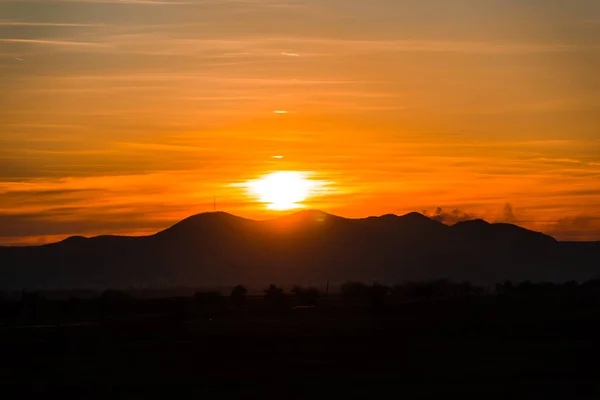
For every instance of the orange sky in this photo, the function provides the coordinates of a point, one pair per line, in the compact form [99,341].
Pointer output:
[123,117]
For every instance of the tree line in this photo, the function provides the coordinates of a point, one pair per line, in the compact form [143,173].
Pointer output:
[34,306]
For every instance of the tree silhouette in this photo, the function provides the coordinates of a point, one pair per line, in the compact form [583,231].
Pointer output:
[306,296]
[274,296]
[377,295]
[33,306]
[238,297]
[466,289]
[419,291]
[208,302]
[4,304]
[354,291]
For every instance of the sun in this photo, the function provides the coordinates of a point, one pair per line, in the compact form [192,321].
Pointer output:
[284,190]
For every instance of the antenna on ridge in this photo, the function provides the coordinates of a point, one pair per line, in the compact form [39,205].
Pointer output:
[215,203]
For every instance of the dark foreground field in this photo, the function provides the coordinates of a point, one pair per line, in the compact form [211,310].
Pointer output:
[485,347]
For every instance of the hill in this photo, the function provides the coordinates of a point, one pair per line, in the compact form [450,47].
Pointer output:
[308,247]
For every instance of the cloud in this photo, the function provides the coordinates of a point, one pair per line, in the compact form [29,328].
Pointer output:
[450,217]
[140,2]
[569,228]
[57,222]
[49,24]
[51,42]
[266,3]
[559,160]
[508,214]
[161,41]
[577,228]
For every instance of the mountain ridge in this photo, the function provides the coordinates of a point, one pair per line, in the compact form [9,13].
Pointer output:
[305,247]
[414,216]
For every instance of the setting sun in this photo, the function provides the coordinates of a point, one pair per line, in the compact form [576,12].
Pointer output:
[284,190]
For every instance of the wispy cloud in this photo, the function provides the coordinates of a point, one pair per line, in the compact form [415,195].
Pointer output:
[559,160]
[51,42]
[48,24]
[142,2]
[326,46]
[270,3]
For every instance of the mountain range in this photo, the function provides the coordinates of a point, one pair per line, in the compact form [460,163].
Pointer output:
[307,247]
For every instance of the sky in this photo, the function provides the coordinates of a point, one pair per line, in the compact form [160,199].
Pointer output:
[123,117]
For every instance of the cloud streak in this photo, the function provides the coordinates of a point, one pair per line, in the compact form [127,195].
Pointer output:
[51,42]
[134,2]
[47,24]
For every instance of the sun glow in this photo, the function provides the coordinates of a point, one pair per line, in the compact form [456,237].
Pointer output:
[284,190]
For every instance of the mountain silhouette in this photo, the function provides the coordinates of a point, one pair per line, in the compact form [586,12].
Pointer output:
[307,247]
